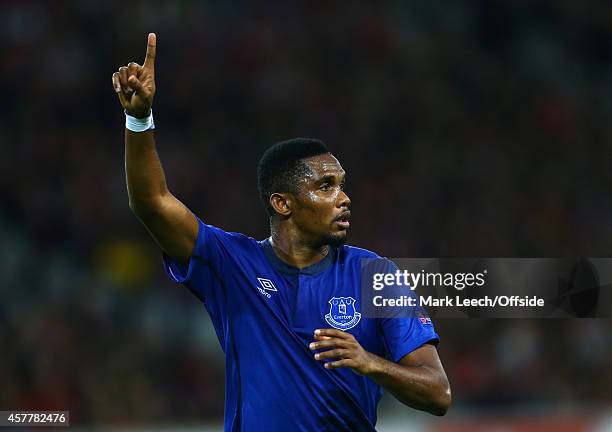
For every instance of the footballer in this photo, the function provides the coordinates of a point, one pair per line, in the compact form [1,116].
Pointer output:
[286,310]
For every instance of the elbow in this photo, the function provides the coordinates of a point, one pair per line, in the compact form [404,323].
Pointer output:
[441,400]
[143,209]
[138,209]
[133,205]
[440,408]
[435,400]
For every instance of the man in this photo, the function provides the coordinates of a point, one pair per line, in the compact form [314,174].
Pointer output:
[299,355]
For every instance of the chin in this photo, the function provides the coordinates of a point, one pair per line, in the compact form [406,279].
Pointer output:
[337,239]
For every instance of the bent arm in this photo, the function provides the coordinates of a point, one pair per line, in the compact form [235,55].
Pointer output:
[418,380]
[172,225]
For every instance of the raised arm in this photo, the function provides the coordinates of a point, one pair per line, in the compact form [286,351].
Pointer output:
[169,221]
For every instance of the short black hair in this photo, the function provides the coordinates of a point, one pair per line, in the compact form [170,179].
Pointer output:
[282,165]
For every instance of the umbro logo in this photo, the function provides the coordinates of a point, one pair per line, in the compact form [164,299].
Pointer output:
[266,285]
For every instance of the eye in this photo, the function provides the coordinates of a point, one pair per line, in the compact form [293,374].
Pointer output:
[325,186]
[342,186]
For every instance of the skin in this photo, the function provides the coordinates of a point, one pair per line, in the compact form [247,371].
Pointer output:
[171,224]
[304,226]
[417,380]
[307,222]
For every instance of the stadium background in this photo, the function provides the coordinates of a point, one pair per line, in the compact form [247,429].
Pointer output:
[467,128]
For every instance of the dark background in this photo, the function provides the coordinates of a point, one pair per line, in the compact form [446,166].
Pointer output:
[467,128]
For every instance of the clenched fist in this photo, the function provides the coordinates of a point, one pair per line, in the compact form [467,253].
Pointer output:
[135,84]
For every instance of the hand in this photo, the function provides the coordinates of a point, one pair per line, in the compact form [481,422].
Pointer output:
[135,84]
[344,349]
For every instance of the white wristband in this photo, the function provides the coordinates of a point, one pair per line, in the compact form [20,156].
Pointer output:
[139,124]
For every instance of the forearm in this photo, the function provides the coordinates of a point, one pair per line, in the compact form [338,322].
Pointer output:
[146,182]
[168,220]
[418,380]
[421,387]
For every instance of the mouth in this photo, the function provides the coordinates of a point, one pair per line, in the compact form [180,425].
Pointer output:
[343,220]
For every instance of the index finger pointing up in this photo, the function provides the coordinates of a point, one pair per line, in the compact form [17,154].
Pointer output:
[149,62]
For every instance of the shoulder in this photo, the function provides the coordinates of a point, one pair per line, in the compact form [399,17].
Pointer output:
[357,255]
[229,239]
[357,252]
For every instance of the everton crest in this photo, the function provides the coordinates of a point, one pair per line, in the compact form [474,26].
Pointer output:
[342,314]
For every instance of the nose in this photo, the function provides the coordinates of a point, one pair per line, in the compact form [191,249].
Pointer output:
[343,200]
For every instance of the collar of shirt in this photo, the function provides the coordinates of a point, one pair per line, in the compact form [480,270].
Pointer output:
[281,266]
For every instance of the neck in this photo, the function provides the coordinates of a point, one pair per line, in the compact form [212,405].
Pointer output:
[291,248]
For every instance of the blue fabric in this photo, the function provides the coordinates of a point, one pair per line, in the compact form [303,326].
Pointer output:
[273,382]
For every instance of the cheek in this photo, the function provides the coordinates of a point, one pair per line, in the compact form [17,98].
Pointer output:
[318,200]
[320,204]
[317,208]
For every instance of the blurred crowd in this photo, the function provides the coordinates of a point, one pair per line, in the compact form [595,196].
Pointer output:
[467,128]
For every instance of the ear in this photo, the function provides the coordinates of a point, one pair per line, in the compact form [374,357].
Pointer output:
[281,203]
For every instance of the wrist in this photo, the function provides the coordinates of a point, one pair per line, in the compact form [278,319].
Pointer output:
[139,114]
[136,123]
[373,365]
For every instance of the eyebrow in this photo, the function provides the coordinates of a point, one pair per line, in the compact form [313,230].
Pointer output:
[332,177]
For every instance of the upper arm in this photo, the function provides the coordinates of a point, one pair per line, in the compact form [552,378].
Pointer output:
[426,359]
[426,355]
[173,226]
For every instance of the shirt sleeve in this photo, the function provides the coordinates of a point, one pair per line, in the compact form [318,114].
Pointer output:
[407,329]
[404,335]
[210,260]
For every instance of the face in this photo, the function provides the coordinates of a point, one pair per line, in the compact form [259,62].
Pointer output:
[321,209]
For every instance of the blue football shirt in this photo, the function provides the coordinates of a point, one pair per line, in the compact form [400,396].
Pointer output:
[265,311]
